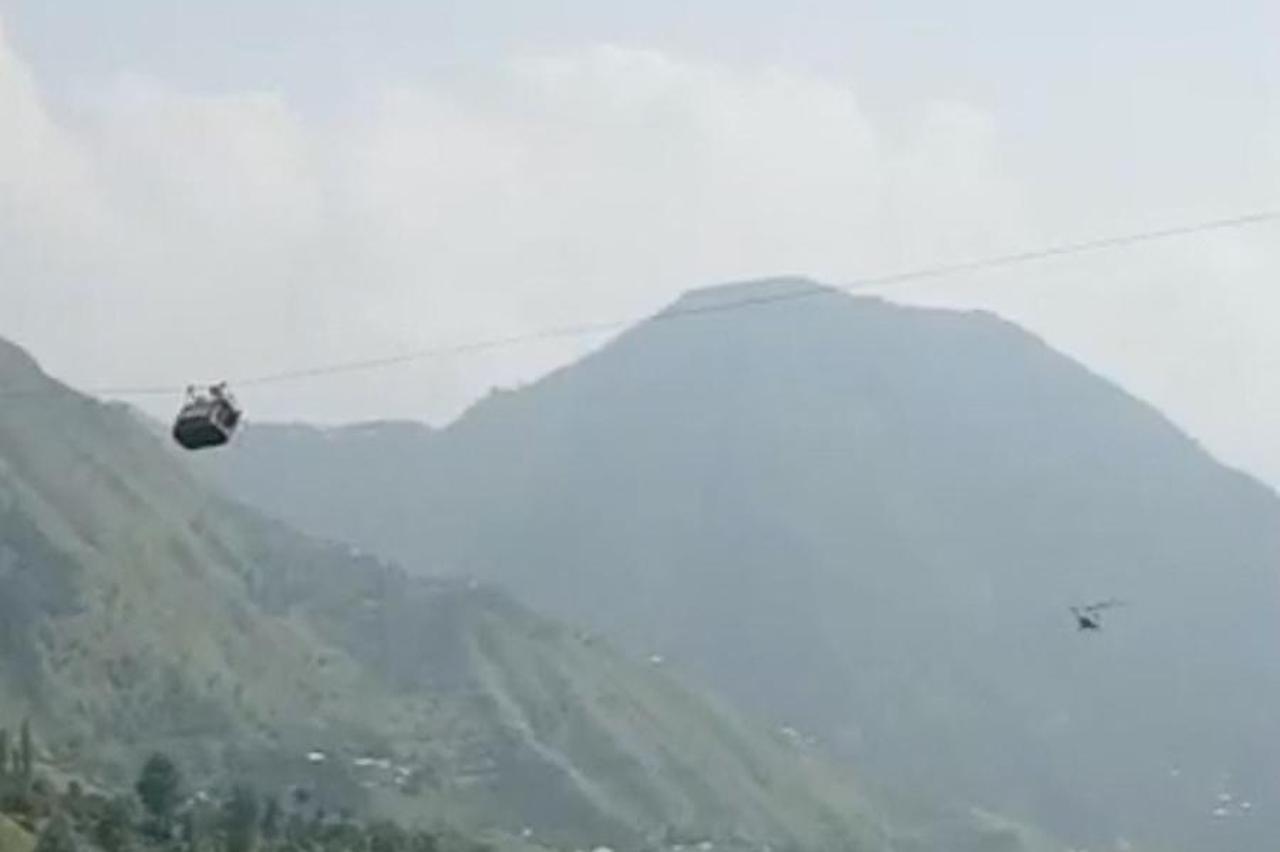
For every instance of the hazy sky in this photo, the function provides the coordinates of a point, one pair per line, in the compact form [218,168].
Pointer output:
[196,190]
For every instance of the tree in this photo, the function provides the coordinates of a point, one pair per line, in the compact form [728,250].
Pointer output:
[189,828]
[57,836]
[200,824]
[295,829]
[26,754]
[423,841]
[301,796]
[111,830]
[74,801]
[4,752]
[385,836]
[240,820]
[271,819]
[159,787]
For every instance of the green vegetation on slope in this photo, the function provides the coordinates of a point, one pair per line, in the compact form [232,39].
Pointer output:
[167,815]
[13,838]
[142,611]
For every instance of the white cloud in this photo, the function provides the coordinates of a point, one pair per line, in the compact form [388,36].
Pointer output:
[598,182]
[149,234]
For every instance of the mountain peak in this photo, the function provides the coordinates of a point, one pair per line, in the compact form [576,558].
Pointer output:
[907,500]
[718,296]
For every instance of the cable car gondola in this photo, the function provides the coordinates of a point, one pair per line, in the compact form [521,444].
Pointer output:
[208,418]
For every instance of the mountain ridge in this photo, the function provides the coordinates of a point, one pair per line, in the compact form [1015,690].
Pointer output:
[141,610]
[868,521]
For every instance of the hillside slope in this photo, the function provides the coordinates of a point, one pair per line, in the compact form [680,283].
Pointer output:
[140,610]
[13,838]
[868,521]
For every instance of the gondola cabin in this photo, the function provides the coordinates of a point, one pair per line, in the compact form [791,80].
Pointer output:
[207,419]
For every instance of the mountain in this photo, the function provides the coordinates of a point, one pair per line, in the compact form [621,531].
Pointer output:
[140,610]
[867,522]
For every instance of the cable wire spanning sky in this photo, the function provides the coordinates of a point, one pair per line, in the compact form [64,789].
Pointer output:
[234,188]
[729,303]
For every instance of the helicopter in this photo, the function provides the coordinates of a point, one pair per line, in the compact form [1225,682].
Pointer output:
[208,418]
[1089,616]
